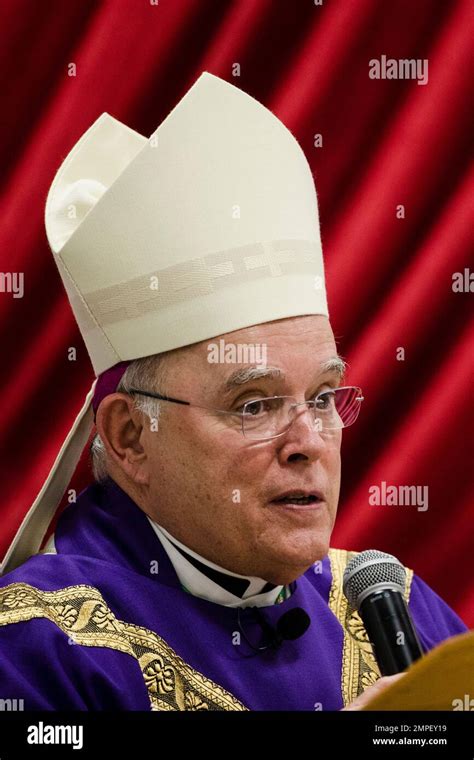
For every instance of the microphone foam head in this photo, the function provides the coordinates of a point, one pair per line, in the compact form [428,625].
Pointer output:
[293,624]
[368,569]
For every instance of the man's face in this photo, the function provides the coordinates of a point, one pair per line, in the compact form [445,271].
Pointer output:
[212,488]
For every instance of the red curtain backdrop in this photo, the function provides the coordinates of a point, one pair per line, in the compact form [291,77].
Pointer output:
[385,143]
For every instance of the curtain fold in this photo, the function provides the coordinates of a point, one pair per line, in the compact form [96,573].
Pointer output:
[386,144]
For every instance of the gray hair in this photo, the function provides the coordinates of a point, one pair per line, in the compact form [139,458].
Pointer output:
[148,375]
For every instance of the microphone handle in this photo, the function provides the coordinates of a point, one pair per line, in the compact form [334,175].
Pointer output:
[390,630]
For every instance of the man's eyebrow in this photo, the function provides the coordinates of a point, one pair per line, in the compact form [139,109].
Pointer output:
[335,364]
[247,374]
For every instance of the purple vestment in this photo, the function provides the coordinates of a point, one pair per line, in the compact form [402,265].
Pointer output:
[105,624]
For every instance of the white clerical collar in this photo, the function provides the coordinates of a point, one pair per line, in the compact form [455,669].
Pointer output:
[205,579]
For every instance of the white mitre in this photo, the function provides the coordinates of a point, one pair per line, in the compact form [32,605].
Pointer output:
[208,226]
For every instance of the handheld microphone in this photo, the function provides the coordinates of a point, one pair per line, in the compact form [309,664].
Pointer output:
[374,583]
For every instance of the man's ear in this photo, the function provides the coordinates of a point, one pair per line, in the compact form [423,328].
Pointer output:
[121,430]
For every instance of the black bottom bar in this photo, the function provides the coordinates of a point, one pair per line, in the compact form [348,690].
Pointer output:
[372,734]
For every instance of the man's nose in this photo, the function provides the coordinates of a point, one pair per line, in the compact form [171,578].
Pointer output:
[303,439]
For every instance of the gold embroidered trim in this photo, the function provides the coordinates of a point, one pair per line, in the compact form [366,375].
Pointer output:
[82,613]
[359,668]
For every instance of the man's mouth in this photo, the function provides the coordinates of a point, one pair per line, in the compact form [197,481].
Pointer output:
[298,499]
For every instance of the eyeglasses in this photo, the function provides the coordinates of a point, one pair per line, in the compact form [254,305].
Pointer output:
[265,418]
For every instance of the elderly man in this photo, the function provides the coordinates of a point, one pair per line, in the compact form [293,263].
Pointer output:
[193,265]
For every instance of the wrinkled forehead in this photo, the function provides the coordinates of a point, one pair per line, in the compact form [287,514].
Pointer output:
[312,331]
[284,350]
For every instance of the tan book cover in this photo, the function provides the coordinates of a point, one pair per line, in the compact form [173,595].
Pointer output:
[441,680]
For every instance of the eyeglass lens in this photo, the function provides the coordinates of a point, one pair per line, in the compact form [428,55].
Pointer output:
[333,410]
